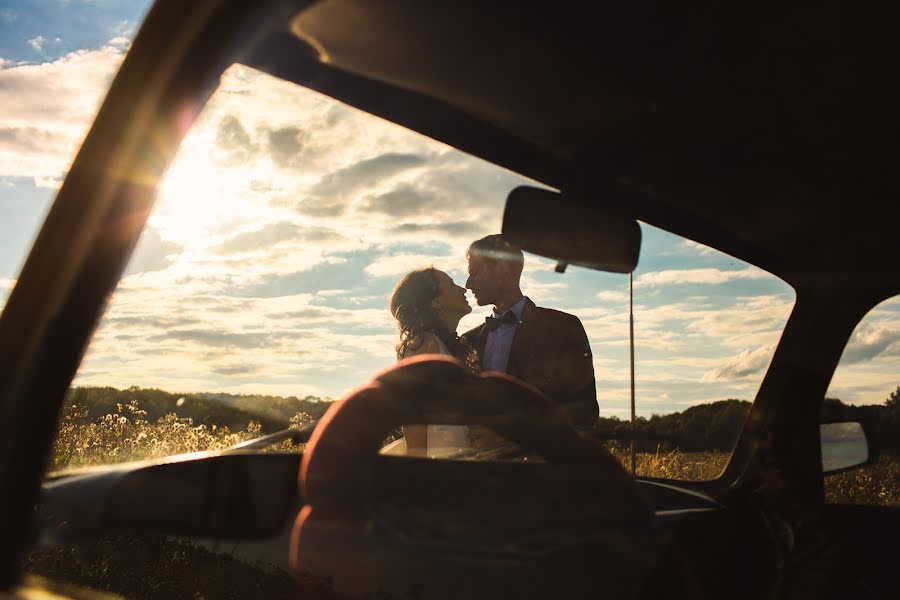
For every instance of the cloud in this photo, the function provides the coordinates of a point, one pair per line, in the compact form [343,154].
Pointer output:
[698,276]
[152,253]
[745,364]
[403,263]
[612,296]
[365,172]
[47,110]
[118,41]
[454,229]
[543,293]
[37,43]
[214,338]
[402,201]
[870,341]
[233,140]
[288,146]
[747,321]
[230,370]
[260,238]
[323,208]
[27,139]
[695,247]
[150,321]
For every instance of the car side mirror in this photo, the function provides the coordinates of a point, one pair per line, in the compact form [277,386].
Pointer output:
[556,226]
[844,447]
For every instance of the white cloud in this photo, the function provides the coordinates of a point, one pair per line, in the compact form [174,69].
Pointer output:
[118,41]
[698,276]
[404,263]
[697,248]
[37,43]
[748,363]
[871,340]
[48,108]
[613,296]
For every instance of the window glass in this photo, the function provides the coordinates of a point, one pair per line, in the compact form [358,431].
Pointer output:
[865,389]
[261,288]
[259,292]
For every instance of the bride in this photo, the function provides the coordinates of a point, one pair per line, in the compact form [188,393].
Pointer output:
[428,307]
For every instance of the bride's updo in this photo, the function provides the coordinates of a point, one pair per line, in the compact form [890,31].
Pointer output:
[411,305]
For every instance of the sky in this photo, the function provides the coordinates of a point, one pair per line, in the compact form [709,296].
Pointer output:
[287,218]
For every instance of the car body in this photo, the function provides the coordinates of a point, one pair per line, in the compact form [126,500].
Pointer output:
[764,131]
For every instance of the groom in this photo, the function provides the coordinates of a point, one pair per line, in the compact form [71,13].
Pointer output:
[547,348]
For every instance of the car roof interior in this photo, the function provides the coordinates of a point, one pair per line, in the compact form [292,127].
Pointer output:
[680,121]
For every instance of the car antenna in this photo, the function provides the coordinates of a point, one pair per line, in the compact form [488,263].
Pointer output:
[631,347]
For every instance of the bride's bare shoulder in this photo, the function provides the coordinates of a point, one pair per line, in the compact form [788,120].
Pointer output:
[424,343]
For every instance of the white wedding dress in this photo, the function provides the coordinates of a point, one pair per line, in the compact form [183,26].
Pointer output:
[442,441]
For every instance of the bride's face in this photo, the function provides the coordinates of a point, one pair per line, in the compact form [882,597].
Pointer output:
[451,298]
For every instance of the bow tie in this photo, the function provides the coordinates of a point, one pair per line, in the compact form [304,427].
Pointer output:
[509,317]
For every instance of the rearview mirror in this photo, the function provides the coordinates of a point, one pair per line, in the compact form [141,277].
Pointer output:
[553,225]
[844,446]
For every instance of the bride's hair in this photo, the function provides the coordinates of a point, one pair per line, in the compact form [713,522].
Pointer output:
[411,306]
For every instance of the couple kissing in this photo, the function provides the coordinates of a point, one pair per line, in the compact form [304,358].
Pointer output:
[544,347]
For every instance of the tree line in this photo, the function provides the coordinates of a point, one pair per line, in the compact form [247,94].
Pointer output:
[704,427]
[715,426]
[234,411]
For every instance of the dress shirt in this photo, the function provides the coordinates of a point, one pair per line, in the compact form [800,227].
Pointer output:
[499,342]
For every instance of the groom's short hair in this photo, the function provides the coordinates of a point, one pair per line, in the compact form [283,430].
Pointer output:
[496,249]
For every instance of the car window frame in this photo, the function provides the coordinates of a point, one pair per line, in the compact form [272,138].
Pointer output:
[87,237]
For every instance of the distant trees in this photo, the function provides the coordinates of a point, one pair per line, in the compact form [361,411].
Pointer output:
[881,422]
[705,427]
[716,425]
[893,400]
[222,410]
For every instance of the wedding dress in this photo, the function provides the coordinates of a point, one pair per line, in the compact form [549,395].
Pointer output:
[443,441]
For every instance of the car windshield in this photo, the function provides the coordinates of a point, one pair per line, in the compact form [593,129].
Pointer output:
[261,291]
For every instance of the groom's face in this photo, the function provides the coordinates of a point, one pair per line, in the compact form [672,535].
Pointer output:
[486,279]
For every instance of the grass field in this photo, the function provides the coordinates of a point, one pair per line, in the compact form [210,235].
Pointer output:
[160,567]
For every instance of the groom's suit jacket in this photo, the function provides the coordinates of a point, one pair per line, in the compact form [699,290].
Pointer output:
[551,351]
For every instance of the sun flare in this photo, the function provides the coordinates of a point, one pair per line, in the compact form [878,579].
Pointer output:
[199,198]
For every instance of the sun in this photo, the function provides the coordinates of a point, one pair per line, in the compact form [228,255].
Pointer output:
[198,197]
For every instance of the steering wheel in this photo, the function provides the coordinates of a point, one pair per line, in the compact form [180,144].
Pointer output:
[374,522]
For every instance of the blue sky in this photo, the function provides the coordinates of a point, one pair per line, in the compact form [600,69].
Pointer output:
[287,218]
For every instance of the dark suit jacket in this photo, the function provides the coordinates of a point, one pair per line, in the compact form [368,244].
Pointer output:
[551,351]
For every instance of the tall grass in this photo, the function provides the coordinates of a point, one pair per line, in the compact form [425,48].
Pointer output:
[690,466]
[127,435]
